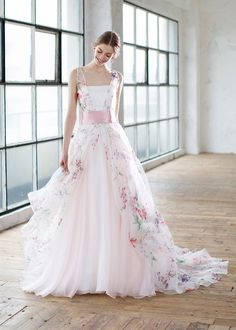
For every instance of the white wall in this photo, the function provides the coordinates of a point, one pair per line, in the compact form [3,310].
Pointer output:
[98,19]
[218,76]
[209,68]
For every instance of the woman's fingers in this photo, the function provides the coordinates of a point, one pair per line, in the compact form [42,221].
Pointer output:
[64,165]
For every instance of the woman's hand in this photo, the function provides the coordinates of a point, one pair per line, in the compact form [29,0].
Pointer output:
[64,161]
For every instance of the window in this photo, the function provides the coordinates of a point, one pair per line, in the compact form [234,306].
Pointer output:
[41,48]
[150,54]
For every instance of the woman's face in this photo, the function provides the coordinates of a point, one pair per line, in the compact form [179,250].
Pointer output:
[103,54]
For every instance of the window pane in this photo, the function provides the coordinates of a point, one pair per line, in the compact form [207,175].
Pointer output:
[1,8]
[18,114]
[18,63]
[153,103]
[71,54]
[46,12]
[2,185]
[72,14]
[18,10]
[153,138]
[140,65]
[173,36]
[2,116]
[141,30]
[128,23]
[47,113]
[173,69]
[45,54]
[163,40]
[152,30]
[0,50]
[173,101]
[162,68]
[48,153]
[173,134]
[19,174]
[152,67]
[129,74]
[142,141]
[130,132]
[163,102]
[129,105]
[64,104]
[141,104]
[163,136]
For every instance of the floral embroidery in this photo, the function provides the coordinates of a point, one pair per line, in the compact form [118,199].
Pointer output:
[78,168]
[123,196]
[94,143]
[106,151]
[60,221]
[139,211]
[132,240]
[185,278]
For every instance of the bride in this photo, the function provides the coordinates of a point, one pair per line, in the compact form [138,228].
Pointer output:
[95,227]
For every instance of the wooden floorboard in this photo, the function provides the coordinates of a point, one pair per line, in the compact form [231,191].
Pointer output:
[196,194]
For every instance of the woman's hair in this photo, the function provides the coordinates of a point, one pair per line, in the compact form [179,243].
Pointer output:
[109,38]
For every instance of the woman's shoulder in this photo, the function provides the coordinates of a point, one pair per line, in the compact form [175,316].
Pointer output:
[75,73]
[76,69]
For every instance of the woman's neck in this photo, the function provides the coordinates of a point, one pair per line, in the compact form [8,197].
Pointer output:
[99,69]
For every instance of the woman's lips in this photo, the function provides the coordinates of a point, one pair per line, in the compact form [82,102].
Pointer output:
[99,61]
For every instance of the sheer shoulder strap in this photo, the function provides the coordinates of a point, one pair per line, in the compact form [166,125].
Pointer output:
[116,78]
[80,77]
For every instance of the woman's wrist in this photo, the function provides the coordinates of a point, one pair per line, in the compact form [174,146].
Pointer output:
[64,150]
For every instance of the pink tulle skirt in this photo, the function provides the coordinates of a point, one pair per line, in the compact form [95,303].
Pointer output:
[96,229]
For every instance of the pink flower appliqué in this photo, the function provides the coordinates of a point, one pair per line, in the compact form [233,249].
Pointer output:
[123,196]
[133,240]
[95,141]
[78,168]
[140,211]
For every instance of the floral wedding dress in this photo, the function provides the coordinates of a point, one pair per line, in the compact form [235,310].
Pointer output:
[96,228]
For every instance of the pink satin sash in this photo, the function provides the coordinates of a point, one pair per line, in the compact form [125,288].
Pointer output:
[92,117]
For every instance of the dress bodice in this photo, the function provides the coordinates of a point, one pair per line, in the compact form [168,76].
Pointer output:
[97,96]
[97,103]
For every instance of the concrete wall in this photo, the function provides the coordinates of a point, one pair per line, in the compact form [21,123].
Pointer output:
[218,75]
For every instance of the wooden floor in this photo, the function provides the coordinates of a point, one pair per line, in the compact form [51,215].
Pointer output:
[196,194]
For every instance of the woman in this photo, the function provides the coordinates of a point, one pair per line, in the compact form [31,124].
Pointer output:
[95,227]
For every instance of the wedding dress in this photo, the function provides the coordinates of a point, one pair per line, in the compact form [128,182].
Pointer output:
[96,228]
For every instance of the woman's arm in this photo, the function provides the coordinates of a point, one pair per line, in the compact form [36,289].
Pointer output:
[71,113]
[118,94]
[70,117]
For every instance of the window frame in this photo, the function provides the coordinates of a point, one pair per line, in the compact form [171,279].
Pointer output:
[57,82]
[134,44]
